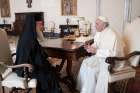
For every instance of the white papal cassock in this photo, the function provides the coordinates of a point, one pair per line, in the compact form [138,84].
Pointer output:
[93,74]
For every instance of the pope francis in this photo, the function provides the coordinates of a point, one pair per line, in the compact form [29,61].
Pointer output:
[93,74]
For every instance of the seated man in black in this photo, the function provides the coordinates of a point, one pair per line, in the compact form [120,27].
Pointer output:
[30,51]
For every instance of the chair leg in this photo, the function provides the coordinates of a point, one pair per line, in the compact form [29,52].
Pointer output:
[109,88]
[3,90]
[112,88]
[130,86]
[118,87]
[125,86]
[33,90]
[14,90]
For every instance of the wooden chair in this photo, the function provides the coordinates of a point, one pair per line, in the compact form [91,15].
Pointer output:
[8,78]
[119,80]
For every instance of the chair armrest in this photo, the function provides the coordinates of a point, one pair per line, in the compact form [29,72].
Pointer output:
[20,65]
[25,66]
[90,42]
[112,60]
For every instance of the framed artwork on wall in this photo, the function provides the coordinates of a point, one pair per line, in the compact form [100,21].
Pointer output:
[5,8]
[69,7]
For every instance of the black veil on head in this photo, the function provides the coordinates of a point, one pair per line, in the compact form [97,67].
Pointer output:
[26,40]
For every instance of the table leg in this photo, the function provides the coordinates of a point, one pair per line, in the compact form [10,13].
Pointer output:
[72,83]
[59,67]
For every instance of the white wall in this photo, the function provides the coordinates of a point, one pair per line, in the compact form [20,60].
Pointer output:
[135,9]
[52,10]
[113,9]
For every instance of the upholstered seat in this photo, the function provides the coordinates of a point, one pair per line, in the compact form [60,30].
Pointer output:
[131,58]
[18,82]
[9,79]
[123,74]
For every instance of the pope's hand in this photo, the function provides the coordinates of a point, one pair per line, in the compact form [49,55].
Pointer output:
[91,49]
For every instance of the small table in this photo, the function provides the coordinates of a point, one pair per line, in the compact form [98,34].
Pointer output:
[66,50]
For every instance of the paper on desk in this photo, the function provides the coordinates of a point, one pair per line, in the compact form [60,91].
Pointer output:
[83,39]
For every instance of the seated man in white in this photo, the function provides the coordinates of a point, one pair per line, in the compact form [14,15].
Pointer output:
[93,74]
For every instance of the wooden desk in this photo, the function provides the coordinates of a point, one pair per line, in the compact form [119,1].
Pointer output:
[66,50]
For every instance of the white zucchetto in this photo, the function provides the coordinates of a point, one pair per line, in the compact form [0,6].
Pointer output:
[104,19]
